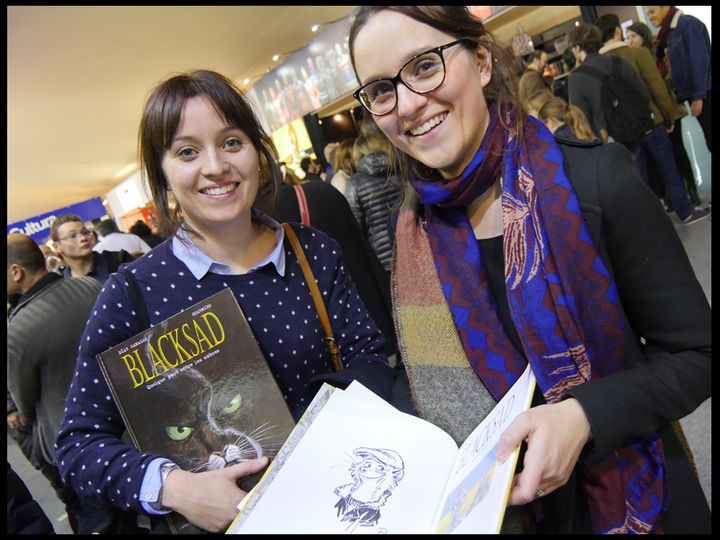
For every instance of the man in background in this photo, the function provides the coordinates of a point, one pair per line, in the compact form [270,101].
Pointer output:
[43,334]
[532,79]
[683,54]
[114,240]
[311,168]
[74,242]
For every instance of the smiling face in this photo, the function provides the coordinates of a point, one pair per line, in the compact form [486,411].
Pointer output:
[212,168]
[656,14]
[633,39]
[443,128]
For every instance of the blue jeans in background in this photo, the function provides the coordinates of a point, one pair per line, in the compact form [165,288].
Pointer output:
[657,146]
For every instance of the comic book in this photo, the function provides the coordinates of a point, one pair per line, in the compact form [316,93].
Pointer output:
[196,389]
[356,464]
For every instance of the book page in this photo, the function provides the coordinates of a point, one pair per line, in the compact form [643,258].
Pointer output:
[362,467]
[478,487]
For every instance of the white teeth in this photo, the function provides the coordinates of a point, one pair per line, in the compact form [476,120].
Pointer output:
[220,190]
[427,126]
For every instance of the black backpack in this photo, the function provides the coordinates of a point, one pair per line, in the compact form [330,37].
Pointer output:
[628,117]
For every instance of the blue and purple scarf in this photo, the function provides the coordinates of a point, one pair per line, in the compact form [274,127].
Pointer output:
[563,301]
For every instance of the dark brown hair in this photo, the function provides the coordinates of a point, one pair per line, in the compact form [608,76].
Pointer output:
[585,36]
[642,30]
[160,121]
[456,21]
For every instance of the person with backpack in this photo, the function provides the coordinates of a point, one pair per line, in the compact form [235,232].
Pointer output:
[616,101]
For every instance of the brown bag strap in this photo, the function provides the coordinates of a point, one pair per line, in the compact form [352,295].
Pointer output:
[330,343]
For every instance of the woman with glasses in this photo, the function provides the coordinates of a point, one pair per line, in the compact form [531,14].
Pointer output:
[514,247]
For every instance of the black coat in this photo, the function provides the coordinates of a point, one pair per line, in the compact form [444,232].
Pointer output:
[372,197]
[668,376]
[330,213]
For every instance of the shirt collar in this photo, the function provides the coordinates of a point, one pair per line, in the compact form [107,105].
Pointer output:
[200,264]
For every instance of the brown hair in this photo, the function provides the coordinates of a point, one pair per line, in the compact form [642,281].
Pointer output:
[456,21]
[585,36]
[61,220]
[343,157]
[549,106]
[642,30]
[160,121]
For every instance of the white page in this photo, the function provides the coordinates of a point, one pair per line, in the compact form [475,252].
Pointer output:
[321,463]
[478,487]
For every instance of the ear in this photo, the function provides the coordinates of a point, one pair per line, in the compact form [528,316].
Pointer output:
[16,272]
[484,64]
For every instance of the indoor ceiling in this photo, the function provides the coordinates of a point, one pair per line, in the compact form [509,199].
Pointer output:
[78,78]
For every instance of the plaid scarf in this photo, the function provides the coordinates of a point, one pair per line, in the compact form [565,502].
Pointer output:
[562,300]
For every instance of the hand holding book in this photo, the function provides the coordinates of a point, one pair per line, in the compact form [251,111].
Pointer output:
[208,499]
[555,434]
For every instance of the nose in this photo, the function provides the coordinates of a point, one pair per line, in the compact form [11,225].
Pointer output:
[408,102]
[214,164]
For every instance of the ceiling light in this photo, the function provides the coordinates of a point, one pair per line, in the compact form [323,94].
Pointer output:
[315,27]
[338,117]
[276,58]
[246,81]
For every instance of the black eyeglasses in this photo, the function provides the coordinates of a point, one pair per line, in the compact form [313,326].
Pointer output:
[74,236]
[423,73]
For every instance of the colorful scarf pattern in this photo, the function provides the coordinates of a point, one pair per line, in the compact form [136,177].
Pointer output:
[562,300]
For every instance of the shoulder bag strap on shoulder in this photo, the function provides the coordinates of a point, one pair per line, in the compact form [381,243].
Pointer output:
[136,300]
[330,343]
[302,203]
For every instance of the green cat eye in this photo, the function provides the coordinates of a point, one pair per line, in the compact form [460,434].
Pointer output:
[234,404]
[178,433]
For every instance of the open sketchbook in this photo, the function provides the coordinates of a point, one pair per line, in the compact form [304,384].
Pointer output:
[356,464]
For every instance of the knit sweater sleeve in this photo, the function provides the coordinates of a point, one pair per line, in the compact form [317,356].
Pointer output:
[91,456]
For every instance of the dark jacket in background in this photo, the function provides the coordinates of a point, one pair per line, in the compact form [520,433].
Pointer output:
[104,264]
[584,89]
[661,104]
[331,214]
[372,197]
[43,334]
[688,48]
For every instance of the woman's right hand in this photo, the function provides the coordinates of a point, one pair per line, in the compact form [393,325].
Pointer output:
[208,499]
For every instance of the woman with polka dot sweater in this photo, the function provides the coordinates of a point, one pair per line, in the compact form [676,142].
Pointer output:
[200,140]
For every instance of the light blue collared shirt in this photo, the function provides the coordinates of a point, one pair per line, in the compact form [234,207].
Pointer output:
[199,265]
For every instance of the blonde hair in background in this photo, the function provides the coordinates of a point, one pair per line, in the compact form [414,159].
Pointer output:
[547,106]
[369,142]
[343,157]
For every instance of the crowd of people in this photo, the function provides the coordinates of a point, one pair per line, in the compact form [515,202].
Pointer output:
[452,252]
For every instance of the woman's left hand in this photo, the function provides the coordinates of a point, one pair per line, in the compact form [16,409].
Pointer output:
[555,435]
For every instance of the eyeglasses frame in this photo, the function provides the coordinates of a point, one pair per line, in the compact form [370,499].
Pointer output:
[74,236]
[397,78]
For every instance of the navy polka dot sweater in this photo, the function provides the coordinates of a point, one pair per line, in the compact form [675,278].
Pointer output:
[91,456]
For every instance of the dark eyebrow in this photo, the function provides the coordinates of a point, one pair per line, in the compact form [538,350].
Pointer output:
[227,129]
[405,60]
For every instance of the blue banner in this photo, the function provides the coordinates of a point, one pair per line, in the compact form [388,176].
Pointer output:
[38,227]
